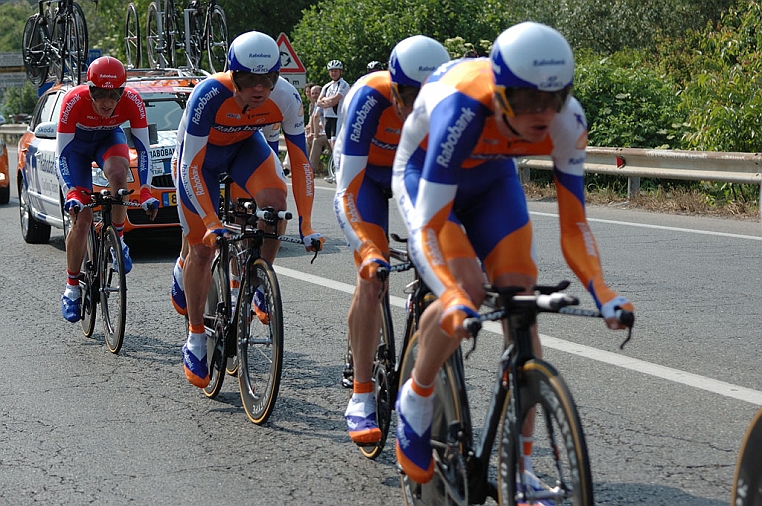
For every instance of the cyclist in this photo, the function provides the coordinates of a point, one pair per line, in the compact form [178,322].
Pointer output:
[375,109]
[455,167]
[373,66]
[220,132]
[89,131]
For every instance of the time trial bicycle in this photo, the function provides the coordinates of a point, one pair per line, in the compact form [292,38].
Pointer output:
[55,40]
[526,388]
[244,323]
[102,278]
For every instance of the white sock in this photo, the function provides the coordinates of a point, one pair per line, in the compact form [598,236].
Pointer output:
[197,344]
[418,410]
[361,405]
[72,291]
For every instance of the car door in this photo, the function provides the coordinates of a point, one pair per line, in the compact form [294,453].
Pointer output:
[43,187]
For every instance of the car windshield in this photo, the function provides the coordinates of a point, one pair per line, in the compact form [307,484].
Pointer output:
[165,111]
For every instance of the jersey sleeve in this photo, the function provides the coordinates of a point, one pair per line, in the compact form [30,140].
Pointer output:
[73,105]
[569,133]
[302,174]
[139,130]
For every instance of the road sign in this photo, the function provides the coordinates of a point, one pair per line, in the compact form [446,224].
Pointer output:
[92,54]
[289,62]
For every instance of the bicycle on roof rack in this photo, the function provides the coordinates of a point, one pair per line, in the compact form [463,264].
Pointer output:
[55,40]
[170,32]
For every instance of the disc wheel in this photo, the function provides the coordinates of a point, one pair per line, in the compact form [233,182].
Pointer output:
[132,40]
[113,291]
[260,345]
[33,50]
[88,285]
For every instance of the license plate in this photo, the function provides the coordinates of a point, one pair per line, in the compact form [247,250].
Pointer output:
[169,199]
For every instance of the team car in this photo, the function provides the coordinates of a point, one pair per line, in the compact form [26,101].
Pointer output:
[165,93]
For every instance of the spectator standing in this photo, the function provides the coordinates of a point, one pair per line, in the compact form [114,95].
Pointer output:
[331,99]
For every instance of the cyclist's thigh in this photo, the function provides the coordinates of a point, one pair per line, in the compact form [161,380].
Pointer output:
[371,201]
[496,220]
[198,198]
[79,167]
[256,167]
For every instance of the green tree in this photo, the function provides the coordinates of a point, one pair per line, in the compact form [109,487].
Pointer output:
[13,15]
[722,99]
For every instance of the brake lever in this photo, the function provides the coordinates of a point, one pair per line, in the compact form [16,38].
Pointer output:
[316,249]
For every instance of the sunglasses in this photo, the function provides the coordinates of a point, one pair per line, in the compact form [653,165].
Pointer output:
[404,95]
[106,93]
[245,80]
[515,101]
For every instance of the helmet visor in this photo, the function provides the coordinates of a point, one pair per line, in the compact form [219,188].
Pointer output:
[515,101]
[105,93]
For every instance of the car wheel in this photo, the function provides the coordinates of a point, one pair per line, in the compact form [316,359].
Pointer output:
[33,231]
[5,195]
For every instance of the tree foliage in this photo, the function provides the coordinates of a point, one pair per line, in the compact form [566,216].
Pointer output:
[722,98]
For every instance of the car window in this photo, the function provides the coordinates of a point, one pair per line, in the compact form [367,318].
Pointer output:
[51,107]
[165,114]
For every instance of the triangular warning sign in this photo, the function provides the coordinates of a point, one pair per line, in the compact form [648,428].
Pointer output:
[289,62]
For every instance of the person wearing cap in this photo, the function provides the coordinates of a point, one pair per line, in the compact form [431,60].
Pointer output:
[223,130]
[455,170]
[89,131]
[375,109]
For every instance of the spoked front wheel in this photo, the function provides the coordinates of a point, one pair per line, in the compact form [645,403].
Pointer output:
[449,436]
[113,290]
[260,341]
[88,284]
[560,471]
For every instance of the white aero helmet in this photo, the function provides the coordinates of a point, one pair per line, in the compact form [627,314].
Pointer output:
[415,58]
[254,52]
[532,55]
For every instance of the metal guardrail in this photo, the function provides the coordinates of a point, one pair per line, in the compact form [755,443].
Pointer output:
[635,163]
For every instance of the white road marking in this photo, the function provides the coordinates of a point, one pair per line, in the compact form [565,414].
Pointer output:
[659,227]
[633,364]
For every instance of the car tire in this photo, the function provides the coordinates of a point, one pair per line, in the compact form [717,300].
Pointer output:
[5,195]
[33,231]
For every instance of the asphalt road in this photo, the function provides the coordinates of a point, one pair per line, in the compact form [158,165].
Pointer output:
[663,418]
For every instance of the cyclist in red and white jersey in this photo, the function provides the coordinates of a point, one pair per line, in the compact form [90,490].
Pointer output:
[221,132]
[455,167]
[375,108]
[89,131]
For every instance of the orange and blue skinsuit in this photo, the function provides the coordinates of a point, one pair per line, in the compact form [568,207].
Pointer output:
[453,167]
[216,136]
[366,147]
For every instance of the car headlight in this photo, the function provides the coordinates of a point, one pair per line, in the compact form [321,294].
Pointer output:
[99,178]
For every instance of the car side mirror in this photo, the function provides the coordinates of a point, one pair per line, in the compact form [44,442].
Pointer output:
[46,130]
